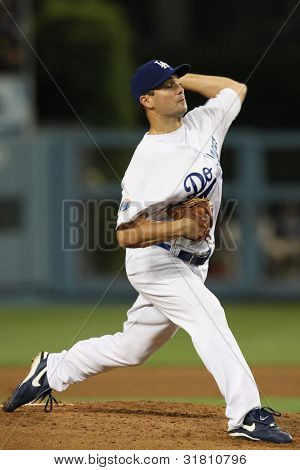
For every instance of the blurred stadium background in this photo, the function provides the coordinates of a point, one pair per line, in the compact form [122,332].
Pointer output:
[68,127]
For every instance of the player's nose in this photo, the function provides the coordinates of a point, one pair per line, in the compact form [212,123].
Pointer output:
[179,89]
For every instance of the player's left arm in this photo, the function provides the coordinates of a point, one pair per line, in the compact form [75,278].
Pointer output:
[210,86]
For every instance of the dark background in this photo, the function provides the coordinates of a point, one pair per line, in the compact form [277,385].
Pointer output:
[65,69]
[216,38]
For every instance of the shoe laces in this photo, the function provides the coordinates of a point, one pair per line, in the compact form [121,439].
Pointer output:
[271,411]
[266,417]
[49,402]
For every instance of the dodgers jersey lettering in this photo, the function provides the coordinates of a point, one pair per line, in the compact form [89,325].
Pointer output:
[169,168]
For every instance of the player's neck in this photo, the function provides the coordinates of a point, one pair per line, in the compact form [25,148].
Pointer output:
[164,125]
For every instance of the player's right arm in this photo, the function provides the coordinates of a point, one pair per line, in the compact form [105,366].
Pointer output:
[210,86]
[143,232]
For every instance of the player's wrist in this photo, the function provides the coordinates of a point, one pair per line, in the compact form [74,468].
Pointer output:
[179,227]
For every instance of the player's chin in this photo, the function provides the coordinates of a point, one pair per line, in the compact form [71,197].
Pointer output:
[182,107]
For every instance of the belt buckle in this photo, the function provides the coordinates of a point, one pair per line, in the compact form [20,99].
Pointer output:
[190,261]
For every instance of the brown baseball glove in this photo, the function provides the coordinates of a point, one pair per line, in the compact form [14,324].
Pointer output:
[198,209]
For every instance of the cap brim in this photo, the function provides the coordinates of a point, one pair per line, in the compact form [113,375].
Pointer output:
[180,70]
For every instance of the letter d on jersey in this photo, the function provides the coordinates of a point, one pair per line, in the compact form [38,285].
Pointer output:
[197,182]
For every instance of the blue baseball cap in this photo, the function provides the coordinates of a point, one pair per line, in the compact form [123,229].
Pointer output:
[153,74]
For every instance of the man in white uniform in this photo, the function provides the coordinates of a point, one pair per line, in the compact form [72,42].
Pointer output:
[166,263]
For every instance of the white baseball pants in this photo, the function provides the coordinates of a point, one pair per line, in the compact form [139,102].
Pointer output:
[172,295]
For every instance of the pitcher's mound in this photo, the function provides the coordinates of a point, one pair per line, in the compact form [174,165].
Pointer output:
[128,425]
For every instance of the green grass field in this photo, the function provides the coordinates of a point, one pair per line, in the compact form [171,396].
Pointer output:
[268,334]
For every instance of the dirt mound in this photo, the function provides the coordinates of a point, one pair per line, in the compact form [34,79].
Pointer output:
[123,425]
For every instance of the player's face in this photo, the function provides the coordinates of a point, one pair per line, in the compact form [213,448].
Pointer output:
[169,99]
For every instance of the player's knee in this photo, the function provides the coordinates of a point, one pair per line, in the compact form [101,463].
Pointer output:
[137,360]
[136,355]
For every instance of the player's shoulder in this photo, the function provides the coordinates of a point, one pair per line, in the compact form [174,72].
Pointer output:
[139,160]
[150,146]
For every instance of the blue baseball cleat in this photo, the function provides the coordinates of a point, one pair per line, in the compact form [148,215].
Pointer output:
[259,425]
[34,387]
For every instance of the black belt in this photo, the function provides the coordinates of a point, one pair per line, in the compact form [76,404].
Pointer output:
[194,259]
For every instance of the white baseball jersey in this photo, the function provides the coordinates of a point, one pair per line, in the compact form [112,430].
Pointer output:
[169,168]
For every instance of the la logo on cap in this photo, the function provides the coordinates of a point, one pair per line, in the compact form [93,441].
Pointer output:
[163,65]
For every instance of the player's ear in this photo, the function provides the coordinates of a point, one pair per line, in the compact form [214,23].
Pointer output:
[146,101]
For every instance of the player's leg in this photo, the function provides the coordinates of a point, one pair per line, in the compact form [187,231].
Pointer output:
[180,294]
[145,330]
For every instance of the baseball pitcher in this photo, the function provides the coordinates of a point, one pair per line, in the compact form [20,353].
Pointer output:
[171,196]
